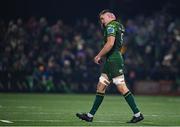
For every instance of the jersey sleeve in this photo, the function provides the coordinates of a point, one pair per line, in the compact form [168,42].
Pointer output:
[111,30]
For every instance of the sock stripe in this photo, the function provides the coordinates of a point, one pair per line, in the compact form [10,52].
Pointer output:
[126,94]
[100,94]
[130,100]
[97,102]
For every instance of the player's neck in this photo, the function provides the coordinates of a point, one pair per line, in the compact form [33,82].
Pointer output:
[110,21]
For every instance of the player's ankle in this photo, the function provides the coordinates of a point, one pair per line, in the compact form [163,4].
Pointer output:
[89,115]
[137,114]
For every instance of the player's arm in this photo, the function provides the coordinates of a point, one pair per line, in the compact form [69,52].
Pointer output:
[107,47]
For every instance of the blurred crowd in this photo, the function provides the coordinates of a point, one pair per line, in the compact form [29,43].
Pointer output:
[38,56]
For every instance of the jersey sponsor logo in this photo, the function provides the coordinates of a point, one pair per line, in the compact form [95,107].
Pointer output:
[110,30]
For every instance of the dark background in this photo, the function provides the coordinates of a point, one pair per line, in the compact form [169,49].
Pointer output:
[70,10]
[42,42]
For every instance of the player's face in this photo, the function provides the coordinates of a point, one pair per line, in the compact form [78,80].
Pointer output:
[104,19]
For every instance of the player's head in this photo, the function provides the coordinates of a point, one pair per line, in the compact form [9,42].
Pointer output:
[106,16]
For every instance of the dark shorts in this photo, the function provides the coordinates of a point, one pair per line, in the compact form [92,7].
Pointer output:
[113,68]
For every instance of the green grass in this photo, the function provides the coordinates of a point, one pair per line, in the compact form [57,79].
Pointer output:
[60,110]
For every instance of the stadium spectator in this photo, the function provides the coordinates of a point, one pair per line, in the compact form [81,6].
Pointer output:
[24,45]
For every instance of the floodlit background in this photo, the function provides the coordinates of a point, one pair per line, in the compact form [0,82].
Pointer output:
[48,46]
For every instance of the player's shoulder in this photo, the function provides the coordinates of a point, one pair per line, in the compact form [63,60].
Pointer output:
[119,25]
[112,24]
[115,25]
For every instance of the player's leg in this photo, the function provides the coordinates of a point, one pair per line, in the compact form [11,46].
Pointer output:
[100,91]
[101,88]
[122,88]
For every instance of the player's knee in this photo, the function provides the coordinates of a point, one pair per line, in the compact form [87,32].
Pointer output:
[103,83]
[119,80]
[122,88]
[103,80]
[120,83]
[101,88]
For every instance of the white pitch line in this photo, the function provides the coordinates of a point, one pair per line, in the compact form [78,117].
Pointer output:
[25,120]
[148,115]
[110,115]
[6,121]
[67,121]
[28,107]
[100,121]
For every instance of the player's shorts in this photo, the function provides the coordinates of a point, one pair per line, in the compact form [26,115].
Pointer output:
[113,67]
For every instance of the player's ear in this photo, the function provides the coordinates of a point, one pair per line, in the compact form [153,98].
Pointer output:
[99,21]
[111,15]
[102,25]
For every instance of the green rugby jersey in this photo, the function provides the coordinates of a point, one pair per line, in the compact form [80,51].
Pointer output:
[117,30]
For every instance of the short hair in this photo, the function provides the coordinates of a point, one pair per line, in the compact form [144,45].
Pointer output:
[105,11]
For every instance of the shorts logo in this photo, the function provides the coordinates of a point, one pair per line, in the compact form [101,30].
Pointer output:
[120,71]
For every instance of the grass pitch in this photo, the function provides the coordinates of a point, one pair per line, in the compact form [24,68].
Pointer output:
[60,110]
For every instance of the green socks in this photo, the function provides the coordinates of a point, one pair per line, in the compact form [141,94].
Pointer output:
[130,100]
[128,97]
[97,102]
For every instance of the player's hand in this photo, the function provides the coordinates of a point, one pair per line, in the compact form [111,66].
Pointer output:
[97,59]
